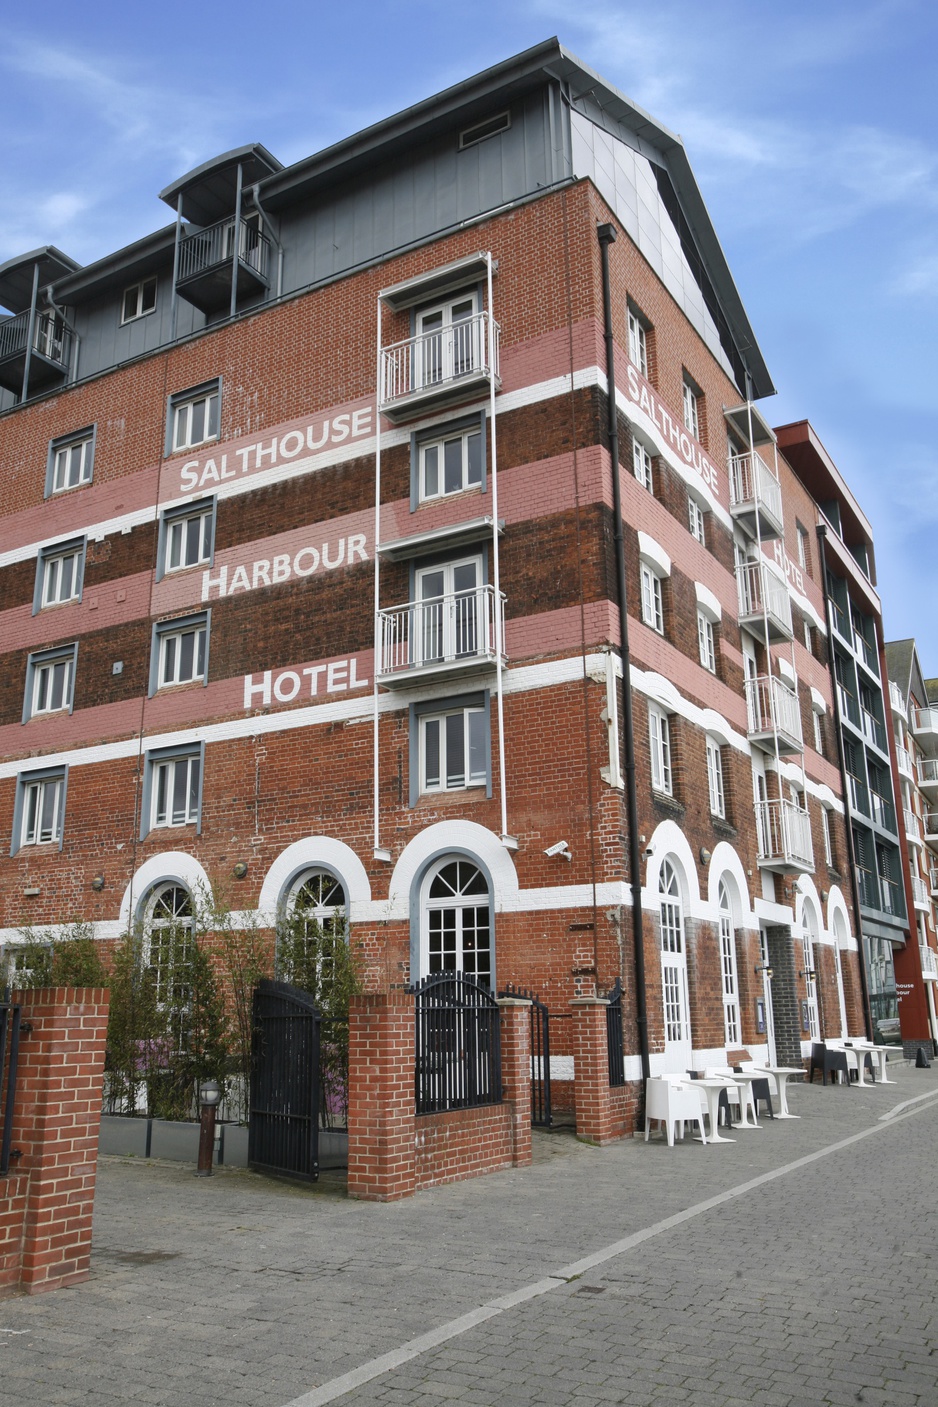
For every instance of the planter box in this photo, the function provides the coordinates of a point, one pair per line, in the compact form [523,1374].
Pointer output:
[126,1137]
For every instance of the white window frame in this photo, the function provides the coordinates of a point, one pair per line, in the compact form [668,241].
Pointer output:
[446,353]
[164,769]
[47,784]
[641,465]
[50,574]
[729,971]
[802,536]
[818,735]
[469,477]
[65,471]
[696,521]
[826,836]
[168,652]
[474,739]
[174,532]
[638,342]
[139,290]
[659,747]
[652,598]
[706,643]
[41,670]
[187,409]
[462,915]
[691,407]
[715,787]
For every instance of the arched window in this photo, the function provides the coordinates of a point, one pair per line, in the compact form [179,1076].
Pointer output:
[677,1034]
[456,923]
[809,936]
[731,1026]
[169,919]
[840,943]
[313,923]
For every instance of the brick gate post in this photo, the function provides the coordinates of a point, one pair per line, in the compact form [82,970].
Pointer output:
[515,1021]
[593,1097]
[381,1118]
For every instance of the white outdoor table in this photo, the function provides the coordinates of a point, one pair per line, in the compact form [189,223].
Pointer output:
[782,1073]
[711,1088]
[739,1077]
[878,1052]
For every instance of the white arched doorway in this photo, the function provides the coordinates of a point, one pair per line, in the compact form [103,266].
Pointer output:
[673,938]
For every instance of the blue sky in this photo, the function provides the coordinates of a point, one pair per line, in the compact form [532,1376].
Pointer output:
[811,128]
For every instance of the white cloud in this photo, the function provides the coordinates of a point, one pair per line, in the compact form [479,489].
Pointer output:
[918,278]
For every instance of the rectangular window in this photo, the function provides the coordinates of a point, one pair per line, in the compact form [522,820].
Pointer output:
[180,652]
[71,461]
[695,521]
[691,411]
[450,745]
[705,643]
[194,417]
[826,833]
[652,599]
[187,537]
[39,808]
[802,534]
[173,788]
[659,741]
[450,465]
[641,464]
[59,572]
[50,682]
[818,738]
[638,343]
[715,778]
[138,300]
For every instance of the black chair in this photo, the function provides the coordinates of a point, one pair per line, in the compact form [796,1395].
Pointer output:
[761,1092]
[828,1062]
[723,1103]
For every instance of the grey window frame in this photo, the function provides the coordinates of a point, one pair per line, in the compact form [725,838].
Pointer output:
[175,626]
[87,435]
[35,661]
[25,780]
[195,507]
[478,698]
[47,554]
[465,424]
[152,759]
[634,314]
[180,398]
[137,288]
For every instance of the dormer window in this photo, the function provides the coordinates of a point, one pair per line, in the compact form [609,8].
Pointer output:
[138,300]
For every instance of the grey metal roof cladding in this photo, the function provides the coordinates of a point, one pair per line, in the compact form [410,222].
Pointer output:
[208,192]
[145,256]
[16,275]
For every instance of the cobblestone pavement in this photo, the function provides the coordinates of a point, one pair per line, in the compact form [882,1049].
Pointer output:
[792,1267]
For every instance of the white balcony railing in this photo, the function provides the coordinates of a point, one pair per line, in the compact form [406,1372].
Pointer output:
[772,708]
[920,892]
[763,601]
[784,830]
[904,761]
[465,351]
[755,491]
[929,963]
[930,822]
[927,772]
[442,634]
[912,828]
[925,727]
[895,698]
[933,880]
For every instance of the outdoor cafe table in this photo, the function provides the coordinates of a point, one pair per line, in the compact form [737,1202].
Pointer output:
[878,1052]
[740,1077]
[712,1087]
[782,1073]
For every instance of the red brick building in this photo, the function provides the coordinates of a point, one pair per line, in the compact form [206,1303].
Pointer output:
[310,577]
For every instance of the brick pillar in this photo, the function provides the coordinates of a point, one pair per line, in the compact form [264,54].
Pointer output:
[381,1119]
[515,1021]
[785,1006]
[594,1121]
[45,1234]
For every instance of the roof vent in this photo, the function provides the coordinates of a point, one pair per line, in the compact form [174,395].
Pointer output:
[491,127]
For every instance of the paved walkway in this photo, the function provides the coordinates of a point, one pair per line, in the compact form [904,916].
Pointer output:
[789,1269]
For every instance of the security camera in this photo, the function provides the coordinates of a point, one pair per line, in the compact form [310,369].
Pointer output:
[649,851]
[561,848]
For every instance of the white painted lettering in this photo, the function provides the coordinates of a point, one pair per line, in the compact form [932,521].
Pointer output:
[189,475]
[313,672]
[286,686]
[208,581]
[239,582]
[353,680]
[291,444]
[311,440]
[312,554]
[243,456]
[260,453]
[339,560]
[263,688]
[340,429]
[356,548]
[226,473]
[260,576]
[209,474]
[281,567]
[361,421]
[338,671]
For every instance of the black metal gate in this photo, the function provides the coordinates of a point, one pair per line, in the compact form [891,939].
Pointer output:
[458,1044]
[540,1056]
[283,1133]
[9,1056]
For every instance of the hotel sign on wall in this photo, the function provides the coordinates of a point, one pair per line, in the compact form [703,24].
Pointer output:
[671,430]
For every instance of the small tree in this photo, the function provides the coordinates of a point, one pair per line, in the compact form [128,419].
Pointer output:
[136,1049]
[70,957]
[245,950]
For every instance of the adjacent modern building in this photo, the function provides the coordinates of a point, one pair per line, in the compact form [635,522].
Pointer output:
[319,580]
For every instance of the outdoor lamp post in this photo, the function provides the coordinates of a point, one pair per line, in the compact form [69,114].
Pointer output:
[209,1095]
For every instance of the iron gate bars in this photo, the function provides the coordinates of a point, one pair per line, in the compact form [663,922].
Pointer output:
[458,1048]
[540,1055]
[283,1133]
[9,1032]
[614,1043]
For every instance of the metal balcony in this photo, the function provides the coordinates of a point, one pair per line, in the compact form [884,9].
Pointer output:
[784,831]
[925,728]
[930,825]
[774,715]
[51,352]
[933,880]
[920,896]
[437,368]
[440,638]
[755,496]
[896,701]
[913,830]
[904,762]
[929,963]
[883,812]
[764,606]
[206,263]
[928,775]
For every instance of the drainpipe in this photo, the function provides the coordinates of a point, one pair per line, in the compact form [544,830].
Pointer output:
[821,530]
[607,236]
[173,299]
[256,194]
[30,332]
[236,247]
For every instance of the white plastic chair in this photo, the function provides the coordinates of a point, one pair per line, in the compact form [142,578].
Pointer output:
[670,1102]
